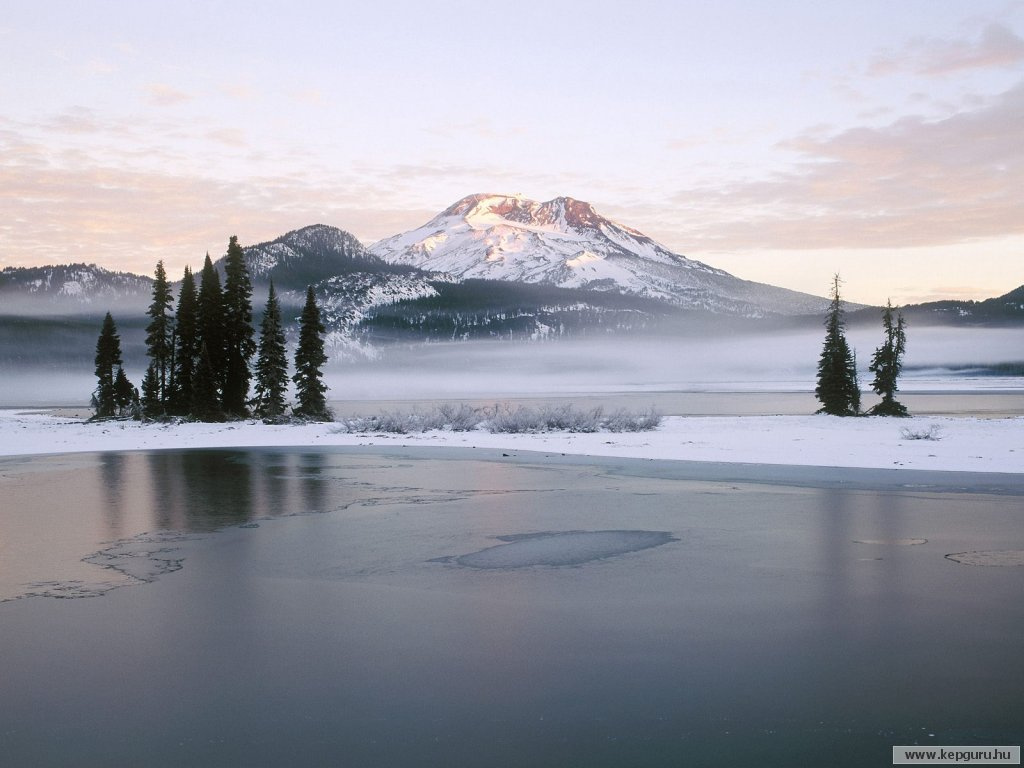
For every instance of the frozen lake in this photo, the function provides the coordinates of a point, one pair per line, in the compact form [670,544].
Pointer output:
[446,607]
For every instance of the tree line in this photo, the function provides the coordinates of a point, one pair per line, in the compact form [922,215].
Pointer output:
[838,388]
[200,355]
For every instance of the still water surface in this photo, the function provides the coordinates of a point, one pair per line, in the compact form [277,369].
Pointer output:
[774,616]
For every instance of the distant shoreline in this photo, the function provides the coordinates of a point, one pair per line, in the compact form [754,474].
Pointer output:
[995,402]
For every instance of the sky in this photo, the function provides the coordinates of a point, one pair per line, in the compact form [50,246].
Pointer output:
[784,142]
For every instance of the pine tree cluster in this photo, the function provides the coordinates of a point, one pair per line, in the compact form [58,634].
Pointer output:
[200,357]
[838,388]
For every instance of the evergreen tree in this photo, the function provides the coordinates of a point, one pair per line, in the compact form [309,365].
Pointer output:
[238,331]
[160,336]
[838,389]
[205,397]
[108,361]
[152,408]
[210,324]
[271,363]
[309,360]
[186,345]
[887,363]
[125,395]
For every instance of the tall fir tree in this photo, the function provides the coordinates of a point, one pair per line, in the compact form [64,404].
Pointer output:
[271,363]
[152,408]
[126,397]
[186,351]
[239,345]
[206,405]
[210,325]
[838,389]
[309,360]
[160,337]
[887,364]
[108,363]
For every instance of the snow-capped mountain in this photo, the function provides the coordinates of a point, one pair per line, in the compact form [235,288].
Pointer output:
[68,288]
[309,255]
[348,280]
[566,243]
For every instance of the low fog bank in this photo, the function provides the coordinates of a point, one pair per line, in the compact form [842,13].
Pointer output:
[937,359]
[48,307]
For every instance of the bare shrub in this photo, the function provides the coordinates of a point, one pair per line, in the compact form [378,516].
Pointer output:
[502,418]
[627,421]
[931,432]
[385,421]
[457,418]
[461,417]
[566,418]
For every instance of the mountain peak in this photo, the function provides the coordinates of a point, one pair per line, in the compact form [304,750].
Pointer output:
[564,242]
[482,211]
[308,255]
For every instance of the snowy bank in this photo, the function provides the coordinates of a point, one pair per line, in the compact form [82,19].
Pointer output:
[964,444]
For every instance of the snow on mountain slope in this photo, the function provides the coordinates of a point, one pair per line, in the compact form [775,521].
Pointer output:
[349,282]
[68,288]
[345,300]
[309,255]
[565,242]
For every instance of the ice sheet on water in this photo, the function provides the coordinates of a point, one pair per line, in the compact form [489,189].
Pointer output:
[1005,557]
[893,542]
[560,548]
[140,559]
[144,557]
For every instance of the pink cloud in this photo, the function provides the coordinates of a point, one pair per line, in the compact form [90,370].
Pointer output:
[163,95]
[913,182]
[996,47]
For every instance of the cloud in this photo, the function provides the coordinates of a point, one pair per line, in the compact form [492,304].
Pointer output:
[240,92]
[996,47]
[311,96]
[910,183]
[229,137]
[126,206]
[75,120]
[163,95]
[478,127]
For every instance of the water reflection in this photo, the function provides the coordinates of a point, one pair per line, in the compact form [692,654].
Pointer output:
[312,481]
[112,481]
[864,605]
[763,629]
[200,491]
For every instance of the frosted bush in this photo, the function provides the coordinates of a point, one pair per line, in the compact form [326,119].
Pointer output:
[626,421]
[385,421]
[566,418]
[461,417]
[503,419]
[931,432]
[457,418]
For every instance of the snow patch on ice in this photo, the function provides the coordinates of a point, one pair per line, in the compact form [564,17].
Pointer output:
[144,557]
[561,548]
[893,542]
[137,560]
[1005,557]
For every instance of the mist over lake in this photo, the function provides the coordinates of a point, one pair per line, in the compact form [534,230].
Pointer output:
[783,360]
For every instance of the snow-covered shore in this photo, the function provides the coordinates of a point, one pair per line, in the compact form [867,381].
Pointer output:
[964,444]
